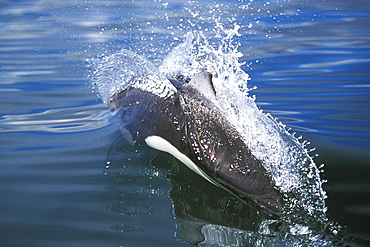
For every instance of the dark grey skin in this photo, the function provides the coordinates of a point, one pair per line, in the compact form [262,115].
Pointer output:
[192,123]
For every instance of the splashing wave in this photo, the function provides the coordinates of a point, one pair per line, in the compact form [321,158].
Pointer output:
[292,169]
[126,69]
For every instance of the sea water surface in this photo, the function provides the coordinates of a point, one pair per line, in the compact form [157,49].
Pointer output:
[67,176]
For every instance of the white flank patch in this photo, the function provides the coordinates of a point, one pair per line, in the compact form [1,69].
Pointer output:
[161,144]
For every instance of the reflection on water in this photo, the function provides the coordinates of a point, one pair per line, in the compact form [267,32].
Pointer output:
[196,207]
[205,215]
[133,172]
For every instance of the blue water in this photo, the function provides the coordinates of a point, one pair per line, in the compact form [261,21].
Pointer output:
[67,177]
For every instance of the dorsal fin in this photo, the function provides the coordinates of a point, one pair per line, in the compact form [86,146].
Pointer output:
[202,82]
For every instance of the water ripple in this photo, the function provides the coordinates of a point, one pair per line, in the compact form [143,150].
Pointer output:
[131,208]
[127,228]
[335,63]
[64,120]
